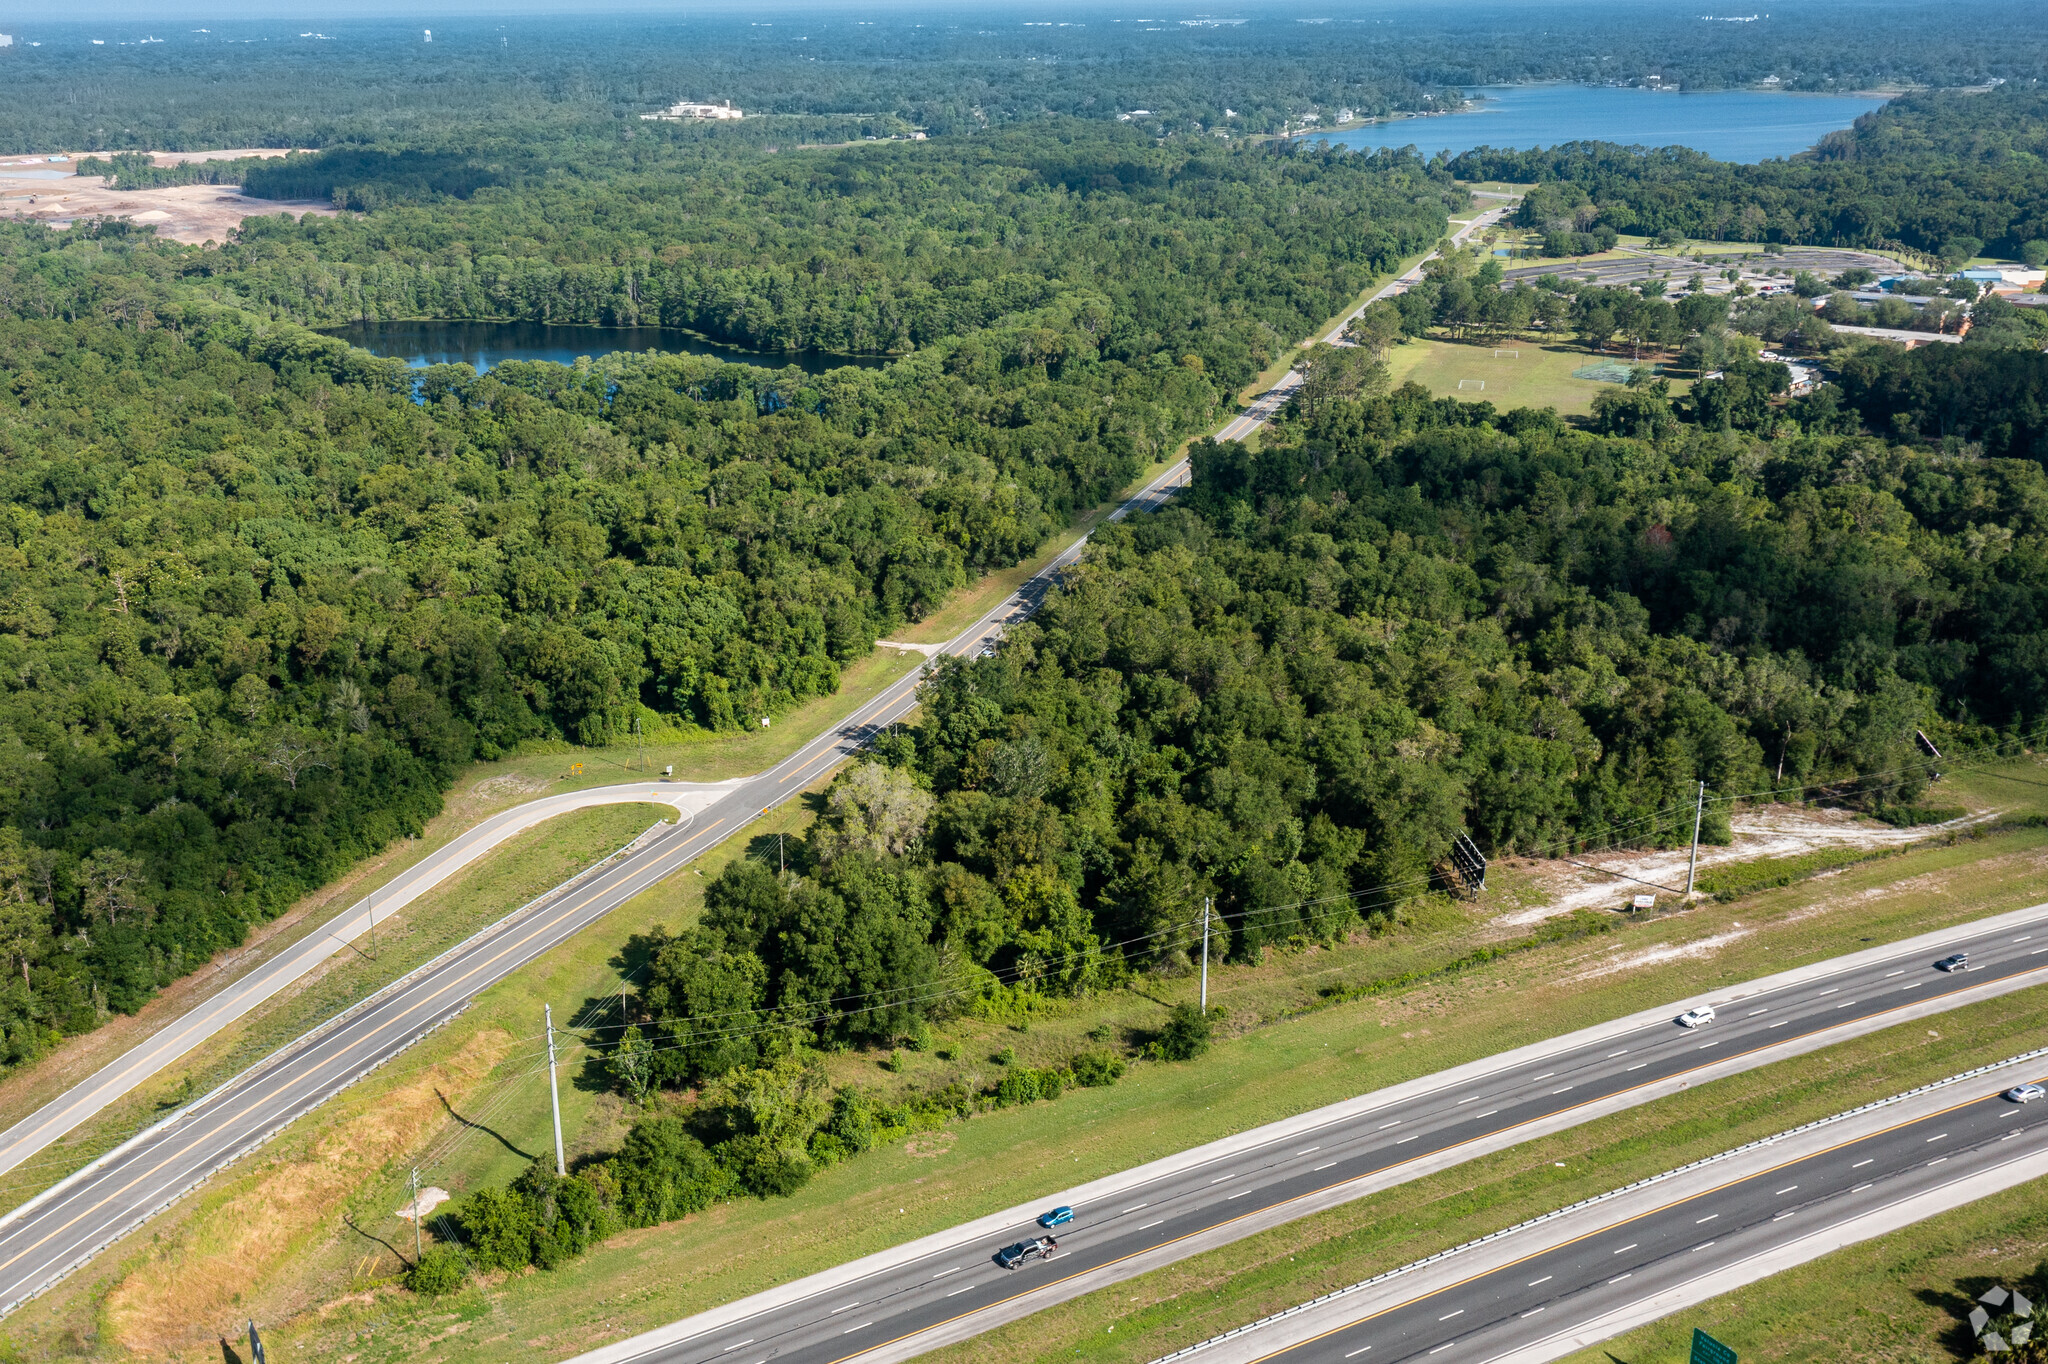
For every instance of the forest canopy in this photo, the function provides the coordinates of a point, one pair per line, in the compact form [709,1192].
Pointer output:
[1404,620]
[265,594]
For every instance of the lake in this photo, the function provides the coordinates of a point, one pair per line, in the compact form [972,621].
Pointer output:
[1729,125]
[484,344]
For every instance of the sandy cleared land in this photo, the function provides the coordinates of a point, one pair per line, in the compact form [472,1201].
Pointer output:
[230,154]
[1609,880]
[183,213]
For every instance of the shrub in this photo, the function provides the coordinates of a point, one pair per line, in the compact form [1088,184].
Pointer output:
[438,1273]
[1186,1035]
[1024,1085]
[498,1225]
[1020,1086]
[663,1172]
[764,1169]
[1097,1069]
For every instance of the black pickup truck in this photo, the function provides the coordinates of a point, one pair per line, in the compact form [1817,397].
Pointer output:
[1009,1257]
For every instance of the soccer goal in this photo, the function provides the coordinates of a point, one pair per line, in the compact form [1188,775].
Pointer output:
[1510,354]
[1479,384]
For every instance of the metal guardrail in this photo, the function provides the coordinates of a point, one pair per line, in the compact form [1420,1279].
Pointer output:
[1597,1199]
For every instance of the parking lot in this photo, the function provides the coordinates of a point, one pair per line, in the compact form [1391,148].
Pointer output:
[1631,266]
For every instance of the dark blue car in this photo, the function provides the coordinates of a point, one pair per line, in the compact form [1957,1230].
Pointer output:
[1058,1217]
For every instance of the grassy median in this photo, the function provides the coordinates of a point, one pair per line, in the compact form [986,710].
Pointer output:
[1286,1050]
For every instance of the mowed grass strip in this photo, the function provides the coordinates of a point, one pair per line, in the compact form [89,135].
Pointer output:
[1208,1294]
[490,888]
[1280,1062]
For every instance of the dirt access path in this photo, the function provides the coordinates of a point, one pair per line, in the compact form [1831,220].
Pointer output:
[1609,880]
[29,191]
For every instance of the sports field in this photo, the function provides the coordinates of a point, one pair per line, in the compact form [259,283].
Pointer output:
[1513,374]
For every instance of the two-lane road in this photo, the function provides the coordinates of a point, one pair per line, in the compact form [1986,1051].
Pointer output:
[950,1289]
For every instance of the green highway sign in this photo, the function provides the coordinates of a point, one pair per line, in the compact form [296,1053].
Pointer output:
[1707,1350]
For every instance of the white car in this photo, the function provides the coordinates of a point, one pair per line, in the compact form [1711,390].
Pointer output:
[2026,1094]
[1693,1018]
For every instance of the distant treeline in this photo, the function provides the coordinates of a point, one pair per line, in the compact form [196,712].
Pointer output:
[1944,174]
[552,81]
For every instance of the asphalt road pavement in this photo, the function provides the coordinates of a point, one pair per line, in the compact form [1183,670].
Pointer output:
[951,1291]
[1553,1302]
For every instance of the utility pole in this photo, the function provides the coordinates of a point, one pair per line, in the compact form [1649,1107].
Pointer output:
[373,923]
[639,746]
[781,859]
[418,1242]
[1205,954]
[1699,811]
[554,1095]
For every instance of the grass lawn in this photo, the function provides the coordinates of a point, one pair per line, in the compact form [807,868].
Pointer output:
[1282,1053]
[1528,374]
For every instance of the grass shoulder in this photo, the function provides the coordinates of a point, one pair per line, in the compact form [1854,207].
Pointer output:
[1289,1043]
[1208,1294]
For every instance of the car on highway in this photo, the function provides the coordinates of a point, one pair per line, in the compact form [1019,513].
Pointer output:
[1959,962]
[1058,1217]
[1009,1257]
[1693,1018]
[2026,1094]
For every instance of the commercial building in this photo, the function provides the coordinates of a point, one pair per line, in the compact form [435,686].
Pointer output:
[685,109]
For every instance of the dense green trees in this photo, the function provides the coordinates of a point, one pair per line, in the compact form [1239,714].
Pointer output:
[264,593]
[1400,619]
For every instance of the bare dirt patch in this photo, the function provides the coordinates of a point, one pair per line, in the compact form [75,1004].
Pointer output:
[228,154]
[1609,880]
[1657,956]
[507,786]
[183,213]
[198,1273]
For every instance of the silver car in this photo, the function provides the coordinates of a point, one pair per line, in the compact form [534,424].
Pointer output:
[2026,1094]
[1694,1018]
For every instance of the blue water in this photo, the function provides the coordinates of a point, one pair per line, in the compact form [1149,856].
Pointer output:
[1729,125]
[484,344]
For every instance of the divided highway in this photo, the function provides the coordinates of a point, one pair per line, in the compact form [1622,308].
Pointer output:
[1662,1253]
[896,1304]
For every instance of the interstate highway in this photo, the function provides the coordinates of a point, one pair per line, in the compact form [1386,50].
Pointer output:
[1553,1302]
[947,1288]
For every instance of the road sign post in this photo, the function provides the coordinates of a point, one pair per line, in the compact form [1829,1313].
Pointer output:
[1707,1350]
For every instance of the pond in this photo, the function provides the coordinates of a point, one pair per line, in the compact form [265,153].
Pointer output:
[1730,125]
[484,344]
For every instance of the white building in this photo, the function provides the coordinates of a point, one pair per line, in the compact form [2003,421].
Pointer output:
[685,109]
